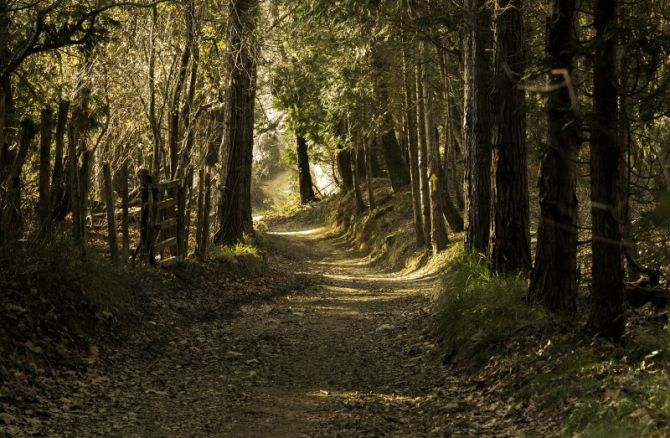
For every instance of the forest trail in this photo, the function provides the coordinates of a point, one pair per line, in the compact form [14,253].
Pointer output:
[349,356]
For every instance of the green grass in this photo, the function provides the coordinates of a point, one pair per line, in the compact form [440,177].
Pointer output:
[598,388]
[479,310]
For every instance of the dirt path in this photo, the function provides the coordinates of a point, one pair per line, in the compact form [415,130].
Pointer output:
[347,357]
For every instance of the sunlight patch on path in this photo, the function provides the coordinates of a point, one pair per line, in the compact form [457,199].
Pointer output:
[310,232]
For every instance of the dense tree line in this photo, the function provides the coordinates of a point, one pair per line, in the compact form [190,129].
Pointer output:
[457,103]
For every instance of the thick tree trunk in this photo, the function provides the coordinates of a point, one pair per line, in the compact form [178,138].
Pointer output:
[44,205]
[397,168]
[554,277]
[477,125]
[344,168]
[510,224]
[607,313]
[438,232]
[234,210]
[423,156]
[413,145]
[304,175]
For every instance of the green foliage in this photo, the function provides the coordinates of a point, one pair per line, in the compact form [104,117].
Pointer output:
[231,254]
[479,310]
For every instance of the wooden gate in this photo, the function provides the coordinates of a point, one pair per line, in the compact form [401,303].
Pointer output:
[163,220]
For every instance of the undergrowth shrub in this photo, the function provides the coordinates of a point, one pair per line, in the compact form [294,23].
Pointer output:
[479,310]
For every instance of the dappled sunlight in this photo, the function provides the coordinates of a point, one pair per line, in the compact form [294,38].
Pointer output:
[379,397]
[310,232]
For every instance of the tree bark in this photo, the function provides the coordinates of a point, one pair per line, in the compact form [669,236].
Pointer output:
[554,277]
[11,221]
[125,235]
[360,205]
[607,311]
[111,213]
[234,210]
[413,144]
[438,232]
[393,156]
[368,177]
[304,175]
[477,125]
[44,203]
[60,203]
[423,156]
[344,168]
[510,224]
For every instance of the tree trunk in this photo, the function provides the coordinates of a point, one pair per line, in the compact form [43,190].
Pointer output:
[554,277]
[173,118]
[360,205]
[44,205]
[450,141]
[477,125]
[111,213]
[125,245]
[413,144]
[607,312]
[73,183]
[234,210]
[393,156]
[438,232]
[11,221]
[60,203]
[304,175]
[344,168]
[368,177]
[153,118]
[423,156]
[510,224]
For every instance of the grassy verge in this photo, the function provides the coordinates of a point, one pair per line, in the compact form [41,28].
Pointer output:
[548,365]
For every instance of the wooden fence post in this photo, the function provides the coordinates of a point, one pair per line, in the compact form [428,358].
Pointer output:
[146,217]
[181,217]
[205,222]
[189,207]
[201,210]
[125,246]
[111,213]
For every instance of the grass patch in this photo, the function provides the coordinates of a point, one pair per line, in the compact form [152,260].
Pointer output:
[553,366]
[479,310]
